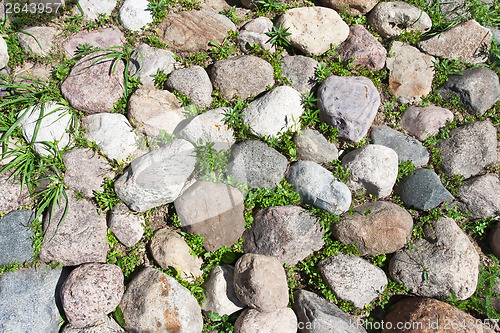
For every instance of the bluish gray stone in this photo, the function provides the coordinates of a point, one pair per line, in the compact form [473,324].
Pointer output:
[317,187]
[422,189]
[313,146]
[407,148]
[15,237]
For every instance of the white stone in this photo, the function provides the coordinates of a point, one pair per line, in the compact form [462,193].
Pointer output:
[134,14]
[92,8]
[37,40]
[147,60]
[219,291]
[4,54]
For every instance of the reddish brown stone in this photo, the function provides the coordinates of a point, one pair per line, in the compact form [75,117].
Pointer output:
[366,49]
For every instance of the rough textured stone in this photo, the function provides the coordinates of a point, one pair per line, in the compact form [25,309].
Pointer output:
[368,52]
[27,302]
[147,60]
[317,315]
[470,148]
[481,196]
[127,227]
[85,171]
[219,292]
[12,196]
[15,237]
[112,133]
[4,54]
[313,146]
[156,178]
[352,278]
[348,103]
[279,321]
[91,292]
[430,315]
[244,76]
[93,8]
[94,87]
[407,148]
[410,73]
[422,189]
[218,215]
[166,306]
[390,19]
[104,38]
[254,32]
[442,263]
[193,82]
[37,40]
[467,41]
[289,233]
[351,7]
[317,187]
[372,167]
[278,111]
[375,228]
[260,282]
[423,122]
[477,88]
[79,238]
[134,14]
[324,24]
[256,164]
[301,72]
[106,325]
[193,30]
[152,110]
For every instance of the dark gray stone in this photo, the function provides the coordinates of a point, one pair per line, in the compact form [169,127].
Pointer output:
[15,237]
[301,72]
[481,196]
[422,189]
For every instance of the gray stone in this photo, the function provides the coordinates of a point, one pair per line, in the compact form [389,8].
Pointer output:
[318,315]
[193,82]
[496,33]
[373,168]
[256,164]
[37,40]
[104,38]
[422,189]
[351,7]
[214,211]
[467,41]
[254,32]
[352,278]
[423,122]
[390,19]
[313,146]
[301,72]
[478,89]
[13,196]
[407,148]
[169,249]
[289,233]
[15,237]
[219,292]
[278,111]
[244,76]
[91,292]
[147,60]
[410,73]
[470,148]
[93,8]
[77,239]
[126,226]
[106,325]
[152,110]
[481,196]
[314,29]
[27,302]
[53,121]
[254,321]
[375,228]
[85,171]
[156,178]
[134,14]
[348,103]
[317,187]
[112,133]
[442,263]
[260,282]
[166,306]
[4,54]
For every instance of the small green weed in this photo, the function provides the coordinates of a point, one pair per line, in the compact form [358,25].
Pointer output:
[216,322]
[278,36]
[128,261]
[106,199]
[405,168]
[159,9]
[160,78]
[230,13]
[211,165]
[222,50]
[339,171]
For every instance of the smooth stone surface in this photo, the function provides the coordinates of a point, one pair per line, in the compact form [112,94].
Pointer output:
[317,187]
[254,32]
[126,226]
[289,233]
[425,121]
[313,146]
[423,190]
[4,54]
[300,70]
[134,14]
[481,196]
[323,23]
[351,7]
[193,82]
[407,148]
[278,111]
[37,40]
[103,38]
[15,237]
[348,103]
[410,73]
[93,8]
[147,60]
[279,321]
[219,292]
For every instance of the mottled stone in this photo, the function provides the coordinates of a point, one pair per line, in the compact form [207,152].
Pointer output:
[134,14]
[481,196]
[425,121]
[193,82]
[93,8]
[254,32]
[13,195]
[313,146]
[300,70]
[147,61]
[254,321]
[103,38]
[37,40]
[106,325]
[219,292]
[126,226]
[15,237]
[351,7]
